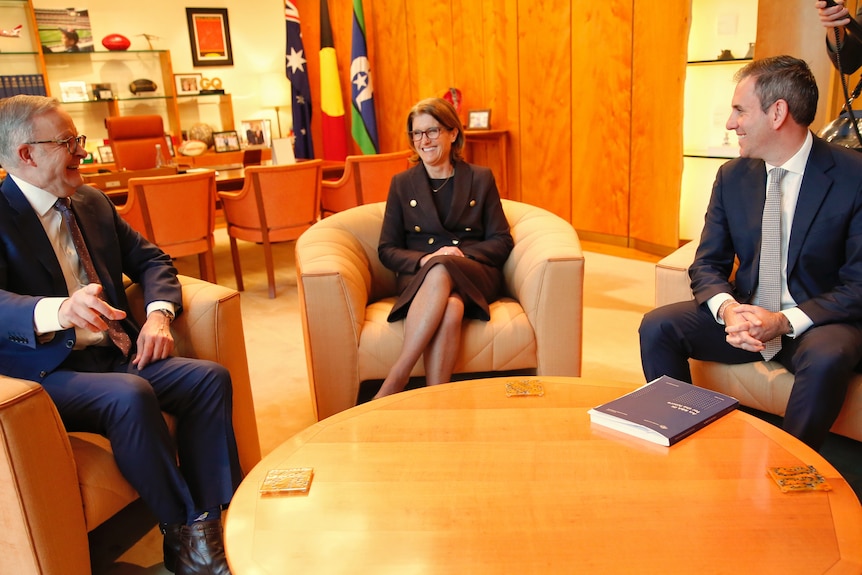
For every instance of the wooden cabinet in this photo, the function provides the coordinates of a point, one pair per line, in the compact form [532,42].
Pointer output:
[721,41]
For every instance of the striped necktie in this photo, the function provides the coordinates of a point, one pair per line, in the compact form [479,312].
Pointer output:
[769,282]
[115,331]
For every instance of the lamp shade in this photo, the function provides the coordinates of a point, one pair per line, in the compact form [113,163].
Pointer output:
[274,91]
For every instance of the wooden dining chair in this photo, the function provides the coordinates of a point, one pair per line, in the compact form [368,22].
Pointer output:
[177,213]
[365,180]
[276,204]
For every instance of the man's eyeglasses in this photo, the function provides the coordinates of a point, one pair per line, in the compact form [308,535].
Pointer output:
[432,133]
[71,143]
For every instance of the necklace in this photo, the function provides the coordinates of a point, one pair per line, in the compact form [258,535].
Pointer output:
[446,181]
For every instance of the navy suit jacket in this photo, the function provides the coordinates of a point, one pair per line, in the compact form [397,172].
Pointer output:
[824,262]
[29,270]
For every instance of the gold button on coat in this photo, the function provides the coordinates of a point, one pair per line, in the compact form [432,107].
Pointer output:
[412,203]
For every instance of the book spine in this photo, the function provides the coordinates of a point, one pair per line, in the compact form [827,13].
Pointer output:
[683,434]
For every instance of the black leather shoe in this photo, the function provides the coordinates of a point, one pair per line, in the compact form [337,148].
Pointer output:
[171,545]
[202,549]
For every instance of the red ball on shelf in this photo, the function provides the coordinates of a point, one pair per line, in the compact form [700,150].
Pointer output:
[116,42]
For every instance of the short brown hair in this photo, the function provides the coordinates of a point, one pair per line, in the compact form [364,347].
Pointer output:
[445,113]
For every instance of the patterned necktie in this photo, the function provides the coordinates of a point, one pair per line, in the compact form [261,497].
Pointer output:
[769,283]
[115,331]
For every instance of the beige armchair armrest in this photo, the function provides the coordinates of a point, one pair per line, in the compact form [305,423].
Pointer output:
[210,327]
[40,502]
[672,283]
[545,273]
[334,273]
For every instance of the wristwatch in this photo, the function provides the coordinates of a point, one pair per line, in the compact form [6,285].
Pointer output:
[167,313]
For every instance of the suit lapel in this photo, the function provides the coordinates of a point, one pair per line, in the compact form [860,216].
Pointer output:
[815,187]
[463,187]
[30,227]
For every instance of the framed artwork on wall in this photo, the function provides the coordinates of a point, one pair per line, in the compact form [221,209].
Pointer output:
[209,35]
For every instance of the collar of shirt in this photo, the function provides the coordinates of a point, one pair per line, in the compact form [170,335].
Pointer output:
[39,199]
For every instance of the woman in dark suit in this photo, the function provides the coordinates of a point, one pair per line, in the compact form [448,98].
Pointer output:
[445,235]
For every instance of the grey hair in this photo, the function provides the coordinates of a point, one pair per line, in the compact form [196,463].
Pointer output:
[16,123]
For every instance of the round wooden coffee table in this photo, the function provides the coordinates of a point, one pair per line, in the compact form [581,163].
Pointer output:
[460,478]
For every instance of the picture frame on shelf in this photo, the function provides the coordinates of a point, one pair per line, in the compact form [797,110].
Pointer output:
[106,155]
[479,119]
[102,91]
[257,133]
[227,141]
[188,84]
[74,91]
[209,36]
[64,30]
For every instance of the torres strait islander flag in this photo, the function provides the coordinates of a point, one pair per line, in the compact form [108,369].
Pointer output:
[331,102]
[300,91]
[363,119]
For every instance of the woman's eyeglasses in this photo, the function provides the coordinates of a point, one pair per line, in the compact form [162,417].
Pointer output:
[432,133]
[68,142]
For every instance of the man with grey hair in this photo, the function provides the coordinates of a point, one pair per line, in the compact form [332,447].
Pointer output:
[63,253]
[790,212]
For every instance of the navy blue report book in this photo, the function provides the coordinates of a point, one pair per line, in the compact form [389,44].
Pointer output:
[663,411]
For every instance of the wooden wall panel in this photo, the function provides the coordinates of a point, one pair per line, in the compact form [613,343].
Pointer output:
[391,59]
[793,27]
[545,100]
[601,117]
[660,52]
[557,75]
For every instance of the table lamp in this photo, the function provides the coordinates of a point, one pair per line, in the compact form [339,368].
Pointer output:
[275,93]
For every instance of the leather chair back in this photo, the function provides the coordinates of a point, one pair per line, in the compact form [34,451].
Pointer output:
[177,213]
[276,204]
[133,140]
[365,181]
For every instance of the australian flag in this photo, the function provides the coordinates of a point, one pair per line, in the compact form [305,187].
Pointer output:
[297,73]
[364,120]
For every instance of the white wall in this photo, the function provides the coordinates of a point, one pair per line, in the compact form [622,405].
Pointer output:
[257,31]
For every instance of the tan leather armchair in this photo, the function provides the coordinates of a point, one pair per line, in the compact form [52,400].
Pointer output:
[346,293]
[761,385]
[56,486]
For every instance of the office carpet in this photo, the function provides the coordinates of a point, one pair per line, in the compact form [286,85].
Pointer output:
[617,292]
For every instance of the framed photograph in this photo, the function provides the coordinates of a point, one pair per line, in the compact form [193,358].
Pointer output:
[74,91]
[256,133]
[226,141]
[64,30]
[188,84]
[479,120]
[209,35]
[106,155]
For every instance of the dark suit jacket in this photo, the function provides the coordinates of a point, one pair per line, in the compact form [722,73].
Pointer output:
[412,228]
[29,270]
[824,262]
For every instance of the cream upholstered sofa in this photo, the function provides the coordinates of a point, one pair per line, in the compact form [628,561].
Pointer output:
[761,385]
[55,486]
[346,293]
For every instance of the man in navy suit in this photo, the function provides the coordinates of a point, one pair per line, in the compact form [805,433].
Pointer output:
[819,320]
[54,322]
